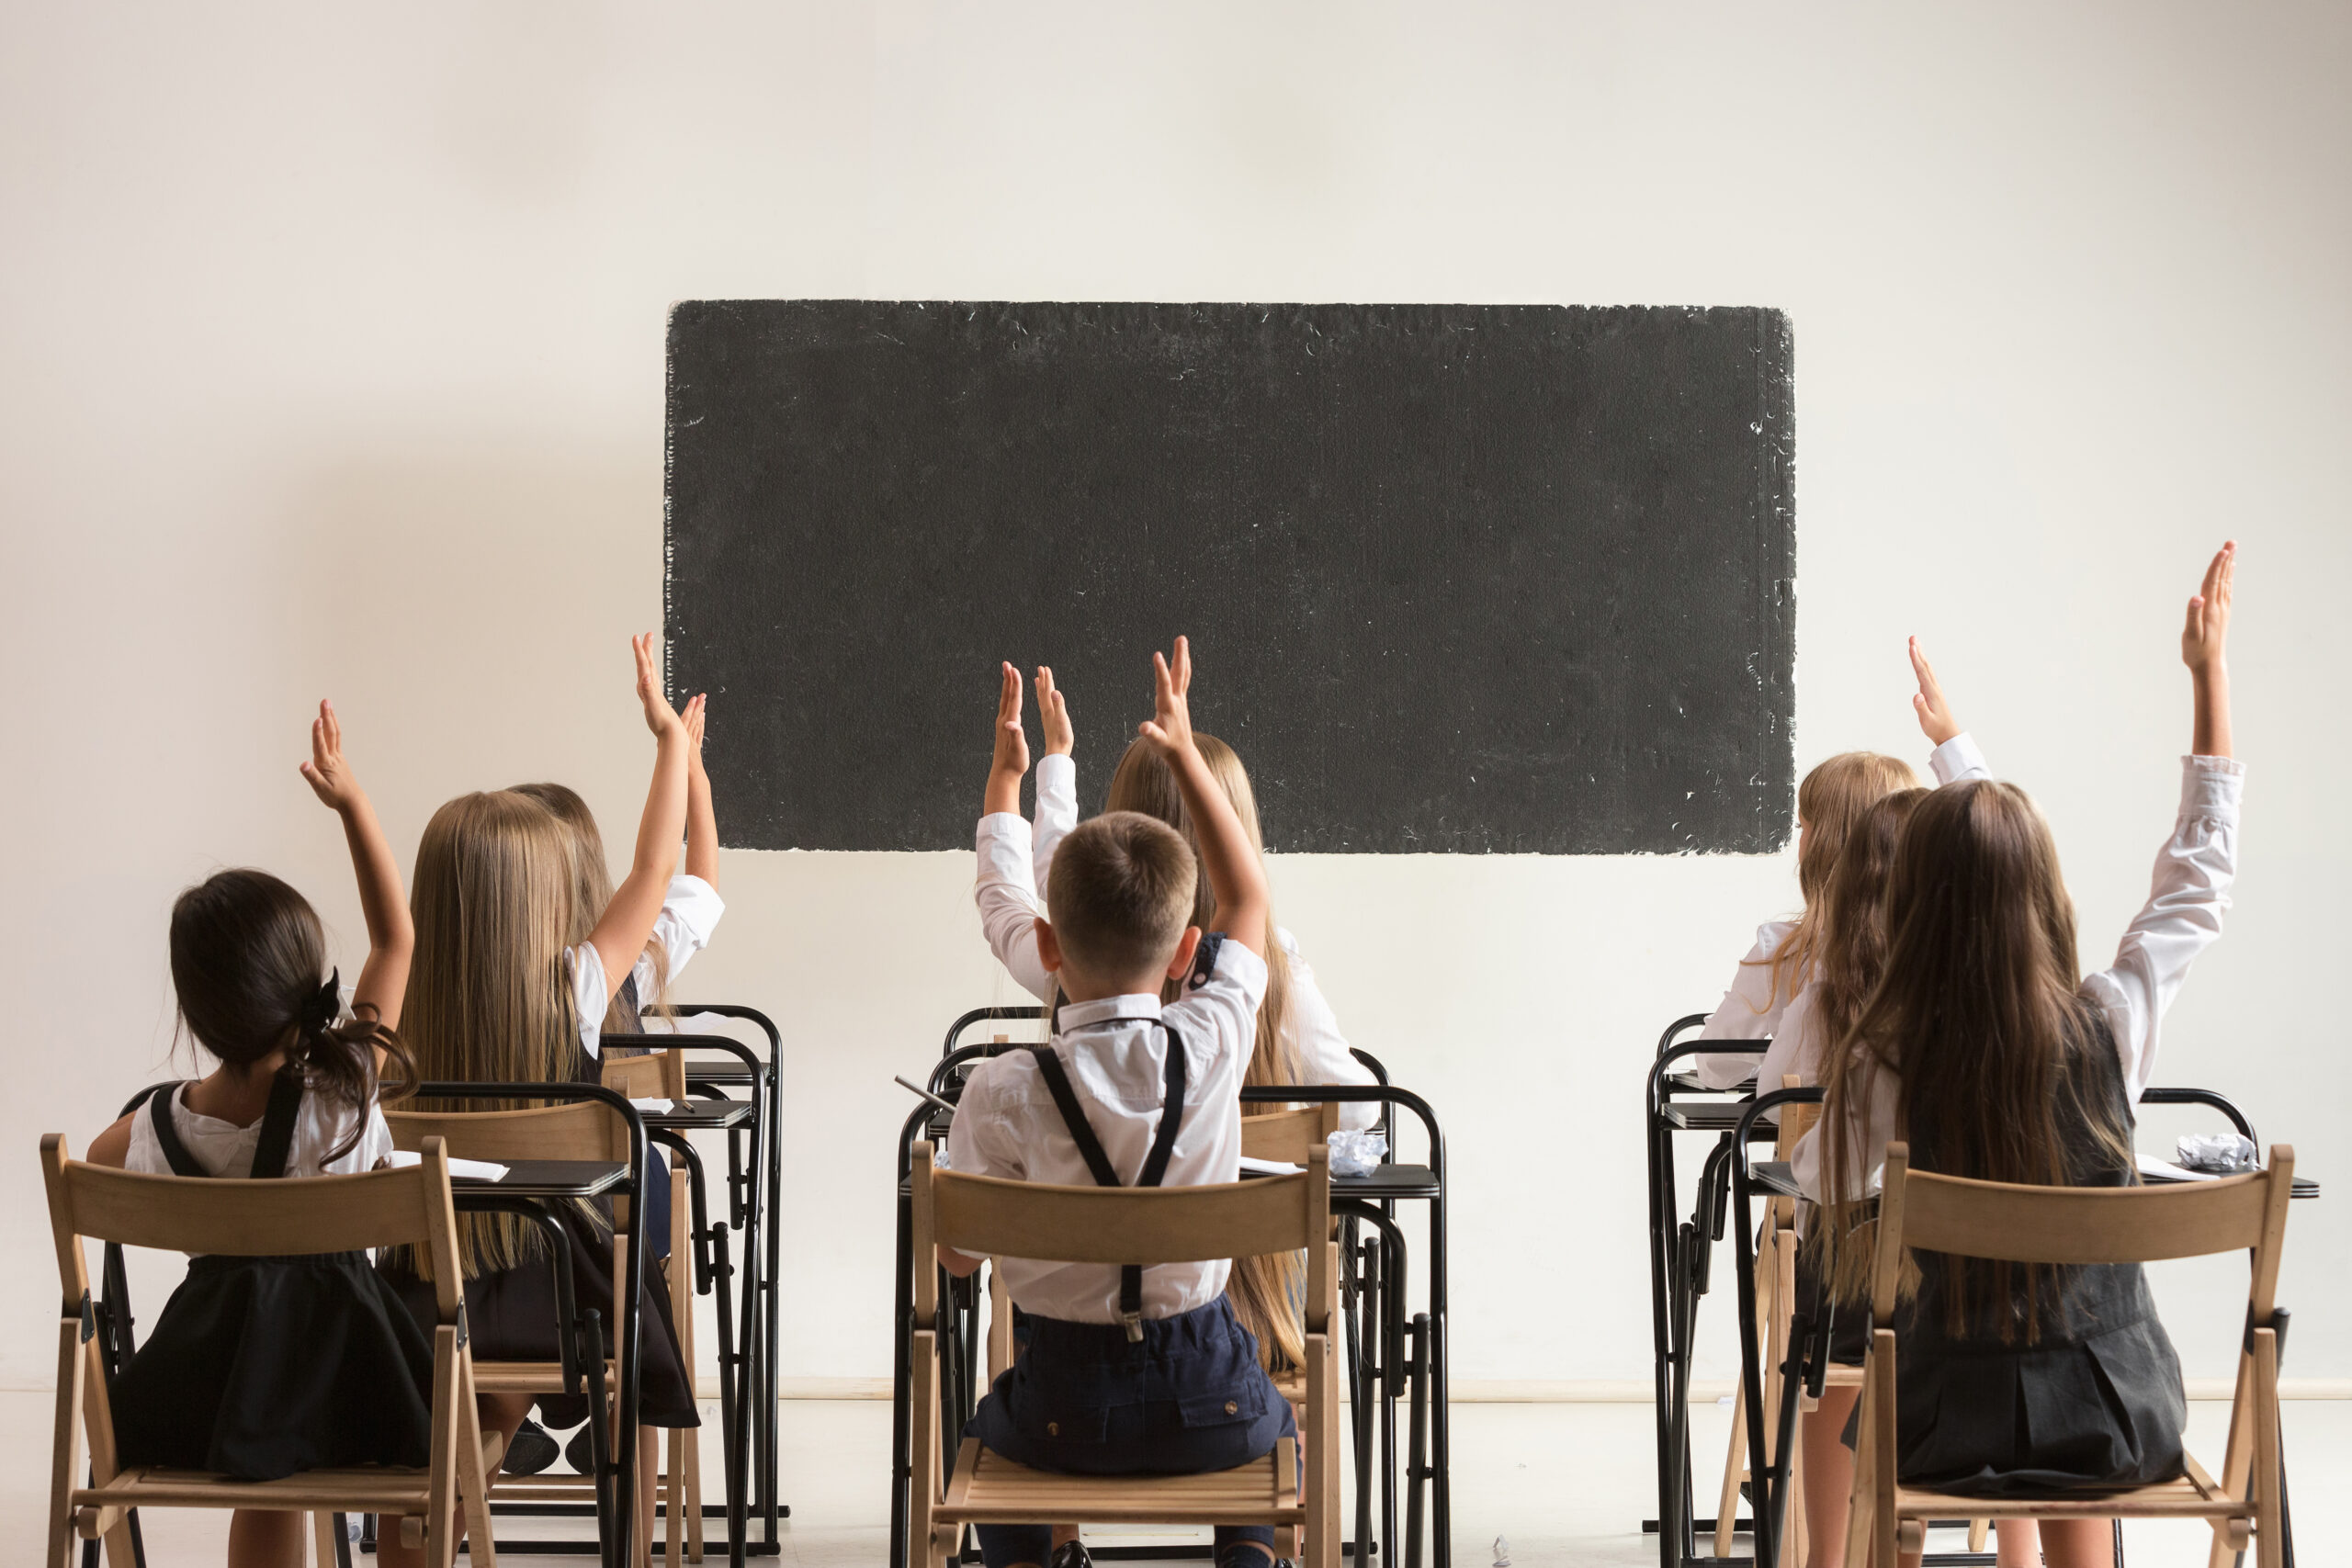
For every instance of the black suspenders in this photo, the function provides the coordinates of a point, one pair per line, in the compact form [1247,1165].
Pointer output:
[1155,1164]
[270,1152]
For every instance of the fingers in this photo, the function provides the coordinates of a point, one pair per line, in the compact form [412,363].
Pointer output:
[1044,685]
[318,748]
[1008,695]
[334,726]
[1153,734]
[1163,684]
[1184,665]
[642,647]
[1922,668]
[2195,628]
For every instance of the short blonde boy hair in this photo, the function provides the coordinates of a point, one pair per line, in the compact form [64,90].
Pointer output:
[1121,892]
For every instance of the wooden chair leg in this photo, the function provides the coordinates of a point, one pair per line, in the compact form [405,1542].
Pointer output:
[324,1537]
[1880,1434]
[441,1484]
[474,1469]
[2237,1459]
[1735,1471]
[2270,1519]
[1977,1530]
[923,1484]
[1861,1500]
[66,1460]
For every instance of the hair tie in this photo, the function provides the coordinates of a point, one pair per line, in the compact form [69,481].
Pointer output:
[323,1008]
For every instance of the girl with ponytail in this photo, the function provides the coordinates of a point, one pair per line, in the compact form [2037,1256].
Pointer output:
[260,1366]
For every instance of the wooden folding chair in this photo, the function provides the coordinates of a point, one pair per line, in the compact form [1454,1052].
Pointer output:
[251,1219]
[983,1215]
[1928,1212]
[1776,1290]
[662,1075]
[581,1130]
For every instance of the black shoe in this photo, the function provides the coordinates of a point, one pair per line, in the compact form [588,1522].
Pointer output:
[531,1452]
[578,1453]
[1071,1555]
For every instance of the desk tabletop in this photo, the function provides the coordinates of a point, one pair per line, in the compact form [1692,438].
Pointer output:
[544,1179]
[1714,1116]
[700,1115]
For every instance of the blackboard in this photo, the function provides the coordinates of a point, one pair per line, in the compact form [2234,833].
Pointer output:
[1459,579]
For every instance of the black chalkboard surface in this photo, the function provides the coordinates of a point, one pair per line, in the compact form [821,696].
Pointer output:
[1459,579]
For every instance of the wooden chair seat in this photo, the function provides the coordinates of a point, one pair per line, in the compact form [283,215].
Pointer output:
[369,1489]
[989,1489]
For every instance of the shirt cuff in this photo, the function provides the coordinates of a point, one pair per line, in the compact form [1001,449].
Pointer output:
[1958,758]
[2211,786]
[1057,773]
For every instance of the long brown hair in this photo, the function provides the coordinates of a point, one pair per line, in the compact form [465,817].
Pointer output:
[1979,1009]
[489,999]
[592,893]
[1265,1290]
[249,962]
[1832,795]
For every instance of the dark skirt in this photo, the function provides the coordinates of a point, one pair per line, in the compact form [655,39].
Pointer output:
[1083,1399]
[262,1367]
[1849,1322]
[511,1316]
[2097,1408]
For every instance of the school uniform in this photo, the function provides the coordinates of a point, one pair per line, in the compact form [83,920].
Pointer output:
[1134,1370]
[260,1366]
[2097,1399]
[1754,1007]
[1014,862]
[511,1311]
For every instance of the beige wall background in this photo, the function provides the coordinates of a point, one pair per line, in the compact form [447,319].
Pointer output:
[330,364]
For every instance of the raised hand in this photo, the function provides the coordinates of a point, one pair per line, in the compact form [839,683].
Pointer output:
[1170,728]
[1935,713]
[659,716]
[1053,713]
[697,711]
[2204,640]
[330,776]
[1010,758]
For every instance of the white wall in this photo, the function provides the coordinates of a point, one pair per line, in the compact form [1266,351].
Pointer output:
[330,364]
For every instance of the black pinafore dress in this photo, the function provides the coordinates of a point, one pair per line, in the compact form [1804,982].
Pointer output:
[263,1367]
[1180,1395]
[2096,1402]
[511,1314]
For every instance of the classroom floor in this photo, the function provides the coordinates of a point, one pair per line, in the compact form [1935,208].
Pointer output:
[1564,1484]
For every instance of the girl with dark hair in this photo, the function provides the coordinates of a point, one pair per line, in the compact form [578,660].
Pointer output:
[1985,1047]
[260,1366]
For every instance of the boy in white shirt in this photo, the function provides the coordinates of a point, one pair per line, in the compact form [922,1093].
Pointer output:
[1131,1371]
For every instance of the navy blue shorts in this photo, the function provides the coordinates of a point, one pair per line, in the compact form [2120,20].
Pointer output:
[1085,1400]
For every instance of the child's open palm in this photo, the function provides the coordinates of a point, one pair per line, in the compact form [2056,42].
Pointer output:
[659,716]
[1170,728]
[1053,714]
[1935,712]
[329,774]
[2205,639]
[1012,746]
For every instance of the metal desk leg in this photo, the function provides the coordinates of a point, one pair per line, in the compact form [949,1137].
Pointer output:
[902,1471]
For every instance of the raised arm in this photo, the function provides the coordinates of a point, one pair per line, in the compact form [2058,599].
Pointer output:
[628,919]
[702,822]
[1235,877]
[1956,756]
[1057,775]
[2204,648]
[391,935]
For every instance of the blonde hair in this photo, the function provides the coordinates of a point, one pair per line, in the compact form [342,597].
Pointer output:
[1266,1290]
[1829,800]
[489,994]
[591,895]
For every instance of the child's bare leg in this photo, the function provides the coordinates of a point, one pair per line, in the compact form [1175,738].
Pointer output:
[1064,1535]
[2078,1543]
[2016,1543]
[503,1411]
[1828,1477]
[267,1537]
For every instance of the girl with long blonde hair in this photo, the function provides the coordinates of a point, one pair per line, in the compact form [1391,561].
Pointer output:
[1787,953]
[1298,1036]
[1983,1048]
[503,991]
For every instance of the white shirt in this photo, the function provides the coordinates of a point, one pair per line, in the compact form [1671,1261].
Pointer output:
[1007,893]
[1115,1053]
[2181,919]
[690,912]
[223,1148]
[1754,1007]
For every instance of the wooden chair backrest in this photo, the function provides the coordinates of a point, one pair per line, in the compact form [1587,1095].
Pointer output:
[1289,1134]
[2082,1225]
[658,1074]
[583,1129]
[988,1216]
[250,1219]
[1796,1120]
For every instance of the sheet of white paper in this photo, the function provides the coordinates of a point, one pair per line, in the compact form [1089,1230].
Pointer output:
[1270,1166]
[477,1170]
[656,1105]
[2164,1169]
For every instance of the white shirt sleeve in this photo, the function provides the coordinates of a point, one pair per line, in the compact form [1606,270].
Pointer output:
[1749,1010]
[977,1140]
[690,912]
[1958,759]
[1007,896]
[1323,1054]
[375,1142]
[1874,1119]
[1796,1046]
[1218,1009]
[2181,918]
[1057,810]
[589,995]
